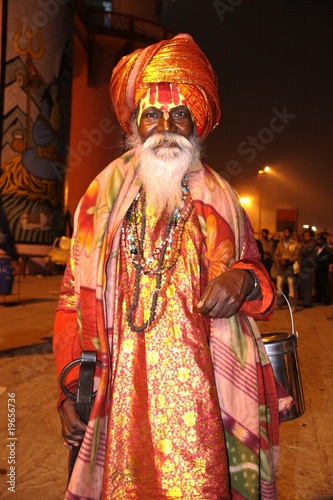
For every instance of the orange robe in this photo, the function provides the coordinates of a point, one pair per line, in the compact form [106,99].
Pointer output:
[135,402]
[165,433]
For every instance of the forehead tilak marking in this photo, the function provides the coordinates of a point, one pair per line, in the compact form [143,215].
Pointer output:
[163,96]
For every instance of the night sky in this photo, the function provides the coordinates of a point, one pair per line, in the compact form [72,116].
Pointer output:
[274,62]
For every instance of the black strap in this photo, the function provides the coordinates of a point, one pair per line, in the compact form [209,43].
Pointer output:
[86,384]
[84,396]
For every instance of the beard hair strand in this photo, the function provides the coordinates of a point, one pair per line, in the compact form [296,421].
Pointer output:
[164,161]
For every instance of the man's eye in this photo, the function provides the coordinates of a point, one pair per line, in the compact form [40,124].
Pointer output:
[180,114]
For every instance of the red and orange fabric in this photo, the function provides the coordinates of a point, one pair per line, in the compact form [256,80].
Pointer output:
[87,319]
[179,61]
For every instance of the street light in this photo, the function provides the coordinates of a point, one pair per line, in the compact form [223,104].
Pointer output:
[262,173]
[245,201]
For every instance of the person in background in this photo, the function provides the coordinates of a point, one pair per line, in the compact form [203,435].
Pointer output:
[286,255]
[307,267]
[330,241]
[267,244]
[274,267]
[7,244]
[261,250]
[324,257]
[165,283]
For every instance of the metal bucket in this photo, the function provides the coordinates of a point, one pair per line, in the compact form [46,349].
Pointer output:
[281,348]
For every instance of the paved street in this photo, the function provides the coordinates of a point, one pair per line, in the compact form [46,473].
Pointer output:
[27,373]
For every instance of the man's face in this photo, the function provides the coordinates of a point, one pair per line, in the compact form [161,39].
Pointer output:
[286,234]
[320,241]
[176,120]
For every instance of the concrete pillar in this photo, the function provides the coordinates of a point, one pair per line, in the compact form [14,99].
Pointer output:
[36,79]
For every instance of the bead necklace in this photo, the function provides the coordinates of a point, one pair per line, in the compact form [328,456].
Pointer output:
[160,263]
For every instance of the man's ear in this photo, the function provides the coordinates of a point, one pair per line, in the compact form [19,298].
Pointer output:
[134,121]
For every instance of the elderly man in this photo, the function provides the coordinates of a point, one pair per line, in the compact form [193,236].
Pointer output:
[164,282]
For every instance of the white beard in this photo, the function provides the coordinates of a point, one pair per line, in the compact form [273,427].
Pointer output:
[165,159]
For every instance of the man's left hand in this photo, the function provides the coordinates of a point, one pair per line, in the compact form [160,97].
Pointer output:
[225,294]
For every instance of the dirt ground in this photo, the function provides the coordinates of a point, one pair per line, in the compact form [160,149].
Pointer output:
[27,374]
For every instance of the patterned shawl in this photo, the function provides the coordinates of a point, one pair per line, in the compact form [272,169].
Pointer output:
[245,381]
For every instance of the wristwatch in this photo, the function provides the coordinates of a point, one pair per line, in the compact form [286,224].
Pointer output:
[254,290]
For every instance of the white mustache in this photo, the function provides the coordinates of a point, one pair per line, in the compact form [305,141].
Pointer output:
[167,139]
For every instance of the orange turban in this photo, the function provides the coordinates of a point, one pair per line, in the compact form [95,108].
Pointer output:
[179,61]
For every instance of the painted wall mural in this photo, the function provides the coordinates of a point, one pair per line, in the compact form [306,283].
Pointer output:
[36,119]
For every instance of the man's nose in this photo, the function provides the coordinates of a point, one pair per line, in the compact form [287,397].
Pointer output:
[165,124]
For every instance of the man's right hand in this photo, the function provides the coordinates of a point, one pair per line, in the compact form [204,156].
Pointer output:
[73,428]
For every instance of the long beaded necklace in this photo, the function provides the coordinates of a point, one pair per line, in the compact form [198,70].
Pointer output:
[160,263]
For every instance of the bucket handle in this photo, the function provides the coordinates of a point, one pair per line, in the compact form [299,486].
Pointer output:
[290,311]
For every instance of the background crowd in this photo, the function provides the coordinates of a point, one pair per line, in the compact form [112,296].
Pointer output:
[300,265]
